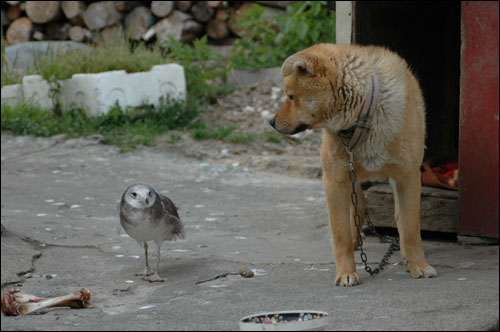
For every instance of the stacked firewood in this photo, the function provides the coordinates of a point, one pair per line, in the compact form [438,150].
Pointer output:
[89,21]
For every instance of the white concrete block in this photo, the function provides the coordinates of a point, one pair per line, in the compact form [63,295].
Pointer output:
[86,91]
[36,90]
[96,93]
[11,94]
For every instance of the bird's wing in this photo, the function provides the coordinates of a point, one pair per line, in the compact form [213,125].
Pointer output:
[169,206]
[173,218]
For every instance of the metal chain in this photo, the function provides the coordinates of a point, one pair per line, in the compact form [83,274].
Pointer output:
[357,221]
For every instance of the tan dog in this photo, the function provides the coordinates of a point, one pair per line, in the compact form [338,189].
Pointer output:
[328,86]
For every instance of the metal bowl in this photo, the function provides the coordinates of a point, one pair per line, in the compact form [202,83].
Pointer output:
[294,320]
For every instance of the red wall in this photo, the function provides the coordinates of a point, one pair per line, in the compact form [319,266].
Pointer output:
[478,147]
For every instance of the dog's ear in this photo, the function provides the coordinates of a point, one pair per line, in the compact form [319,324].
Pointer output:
[297,63]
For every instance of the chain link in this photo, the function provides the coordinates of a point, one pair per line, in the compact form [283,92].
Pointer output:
[394,241]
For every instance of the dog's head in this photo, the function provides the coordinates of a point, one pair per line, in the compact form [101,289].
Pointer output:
[310,80]
[307,89]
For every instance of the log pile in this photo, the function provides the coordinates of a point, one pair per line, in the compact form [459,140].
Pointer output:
[89,21]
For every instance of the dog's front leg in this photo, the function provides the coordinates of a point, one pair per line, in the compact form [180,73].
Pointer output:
[407,189]
[338,201]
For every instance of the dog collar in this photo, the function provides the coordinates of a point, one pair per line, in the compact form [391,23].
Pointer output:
[352,136]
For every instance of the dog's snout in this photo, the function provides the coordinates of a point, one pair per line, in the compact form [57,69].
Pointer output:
[272,122]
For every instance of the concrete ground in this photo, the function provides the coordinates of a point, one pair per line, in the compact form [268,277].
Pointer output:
[60,225]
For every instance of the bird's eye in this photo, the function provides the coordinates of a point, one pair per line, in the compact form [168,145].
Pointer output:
[291,97]
[134,195]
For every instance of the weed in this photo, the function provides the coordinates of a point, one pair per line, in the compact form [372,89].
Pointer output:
[261,45]
[200,131]
[174,138]
[273,138]
[114,53]
[205,70]
[125,128]
[240,138]
[9,74]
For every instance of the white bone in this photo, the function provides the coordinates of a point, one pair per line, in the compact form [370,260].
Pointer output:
[16,302]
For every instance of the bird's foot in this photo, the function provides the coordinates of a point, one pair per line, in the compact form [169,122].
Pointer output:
[146,272]
[155,277]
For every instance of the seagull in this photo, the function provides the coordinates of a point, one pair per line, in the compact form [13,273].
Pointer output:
[148,216]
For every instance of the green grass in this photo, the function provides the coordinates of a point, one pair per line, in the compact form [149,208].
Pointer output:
[206,71]
[200,131]
[114,53]
[123,128]
[174,138]
[273,138]
[240,138]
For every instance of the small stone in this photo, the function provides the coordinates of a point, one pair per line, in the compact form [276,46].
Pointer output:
[314,171]
[278,165]
[28,275]
[59,138]
[246,272]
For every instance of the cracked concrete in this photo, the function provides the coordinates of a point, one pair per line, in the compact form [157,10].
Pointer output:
[13,270]
[59,209]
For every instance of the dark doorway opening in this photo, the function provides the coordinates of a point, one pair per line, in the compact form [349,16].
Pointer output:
[427,35]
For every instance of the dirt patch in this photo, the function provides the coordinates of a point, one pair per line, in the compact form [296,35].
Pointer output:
[250,109]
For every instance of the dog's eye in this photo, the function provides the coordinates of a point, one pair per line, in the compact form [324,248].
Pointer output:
[134,195]
[291,97]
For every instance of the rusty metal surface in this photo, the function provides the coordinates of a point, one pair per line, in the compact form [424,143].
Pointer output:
[478,150]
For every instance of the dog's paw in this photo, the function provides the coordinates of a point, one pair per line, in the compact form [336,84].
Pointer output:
[347,279]
[422,270]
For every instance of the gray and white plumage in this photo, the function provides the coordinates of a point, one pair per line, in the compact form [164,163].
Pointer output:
[148,216]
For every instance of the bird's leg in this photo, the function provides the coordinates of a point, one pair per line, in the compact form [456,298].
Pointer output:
[155,276]
[147,270]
